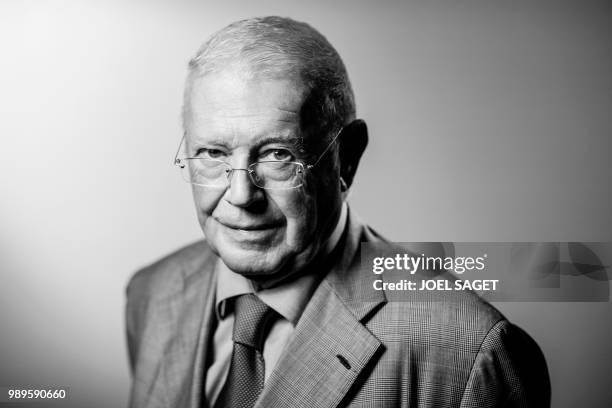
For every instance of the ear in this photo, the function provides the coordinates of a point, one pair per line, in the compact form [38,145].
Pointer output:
[352,140]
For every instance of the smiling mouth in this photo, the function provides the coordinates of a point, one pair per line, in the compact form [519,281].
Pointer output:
[249,227]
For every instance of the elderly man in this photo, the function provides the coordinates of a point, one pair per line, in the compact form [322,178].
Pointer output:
[269,310]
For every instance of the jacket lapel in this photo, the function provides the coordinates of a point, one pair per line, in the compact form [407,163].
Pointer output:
[328,351]
[202,348]
[187,317]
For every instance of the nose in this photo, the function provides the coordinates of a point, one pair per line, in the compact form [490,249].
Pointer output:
[241,191]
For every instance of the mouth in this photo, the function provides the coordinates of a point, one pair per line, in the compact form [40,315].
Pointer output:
[249,226]
[250,235]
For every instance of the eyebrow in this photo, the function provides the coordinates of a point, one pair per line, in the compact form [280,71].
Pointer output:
[259,141]
[291,140]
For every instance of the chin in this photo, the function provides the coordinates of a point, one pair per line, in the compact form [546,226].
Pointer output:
[254,262]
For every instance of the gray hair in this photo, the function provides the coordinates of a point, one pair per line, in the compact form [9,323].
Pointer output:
[279,47]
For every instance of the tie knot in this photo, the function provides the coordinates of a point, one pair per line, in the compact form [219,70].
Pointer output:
[252,318]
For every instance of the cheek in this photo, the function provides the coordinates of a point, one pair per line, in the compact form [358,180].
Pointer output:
[300,213]
[205,202]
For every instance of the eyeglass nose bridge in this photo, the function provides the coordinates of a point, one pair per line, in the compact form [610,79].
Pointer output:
[230,171]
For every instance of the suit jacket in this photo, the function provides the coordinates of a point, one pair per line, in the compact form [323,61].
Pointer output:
[348,350]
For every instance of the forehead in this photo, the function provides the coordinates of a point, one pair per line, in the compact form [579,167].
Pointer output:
[232,105]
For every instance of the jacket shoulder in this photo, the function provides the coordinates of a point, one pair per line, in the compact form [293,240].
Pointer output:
[446,318]
[167,275]
[456,320]
[509,367]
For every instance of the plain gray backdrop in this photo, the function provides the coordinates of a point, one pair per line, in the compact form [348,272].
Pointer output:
[489,121]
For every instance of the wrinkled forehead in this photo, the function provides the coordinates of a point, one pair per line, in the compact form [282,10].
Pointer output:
[234,89]
[237,104]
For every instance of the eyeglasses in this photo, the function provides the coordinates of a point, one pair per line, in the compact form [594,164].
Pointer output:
[269,174]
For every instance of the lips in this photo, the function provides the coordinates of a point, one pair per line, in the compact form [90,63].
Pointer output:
[258,226]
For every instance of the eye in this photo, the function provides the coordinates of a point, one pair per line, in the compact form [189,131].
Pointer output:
[210,153]
[277,155]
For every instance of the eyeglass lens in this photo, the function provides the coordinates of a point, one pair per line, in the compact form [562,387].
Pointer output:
[267,174]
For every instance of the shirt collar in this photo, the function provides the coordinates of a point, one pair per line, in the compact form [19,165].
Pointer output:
[288,299]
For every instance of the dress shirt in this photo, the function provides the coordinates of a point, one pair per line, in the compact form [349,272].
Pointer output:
[288,300]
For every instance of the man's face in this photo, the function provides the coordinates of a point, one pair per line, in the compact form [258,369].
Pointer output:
[259,233]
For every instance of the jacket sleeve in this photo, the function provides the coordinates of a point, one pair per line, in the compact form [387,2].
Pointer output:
[509,371]
[135,310]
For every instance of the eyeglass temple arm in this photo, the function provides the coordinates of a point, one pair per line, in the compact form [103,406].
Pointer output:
[310,166]
[177,161]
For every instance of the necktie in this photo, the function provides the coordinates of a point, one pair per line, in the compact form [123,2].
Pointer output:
[246,375]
